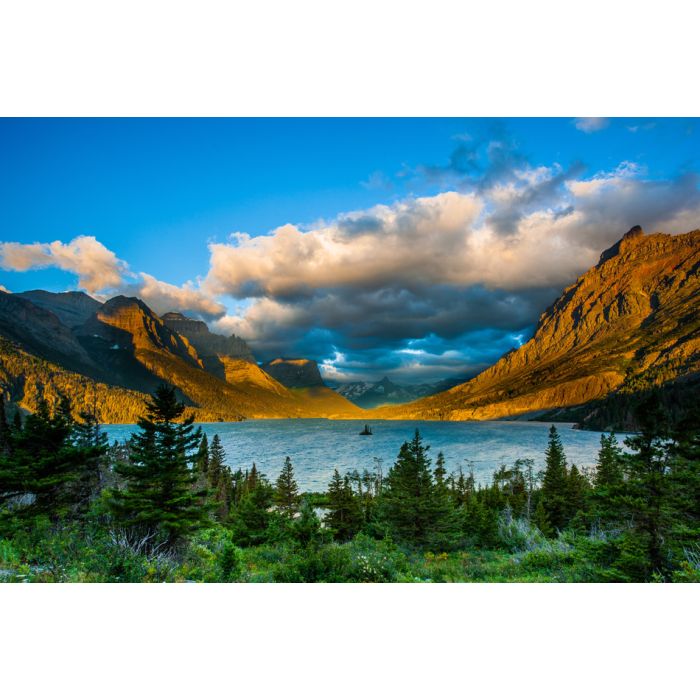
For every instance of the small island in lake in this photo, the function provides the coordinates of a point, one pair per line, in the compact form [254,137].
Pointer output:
[367,430]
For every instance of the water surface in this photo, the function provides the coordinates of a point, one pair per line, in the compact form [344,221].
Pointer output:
[317,446]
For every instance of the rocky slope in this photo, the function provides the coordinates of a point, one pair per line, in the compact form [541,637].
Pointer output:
[631,320]
[209,346]
[72,308]
[41,332]
[295,373]
[122,352]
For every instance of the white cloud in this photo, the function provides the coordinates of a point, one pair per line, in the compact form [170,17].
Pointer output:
[163,297]
[97,267]
[101,273]
[590,124]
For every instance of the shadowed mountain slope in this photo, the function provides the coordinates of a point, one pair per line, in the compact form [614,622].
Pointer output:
[124,351]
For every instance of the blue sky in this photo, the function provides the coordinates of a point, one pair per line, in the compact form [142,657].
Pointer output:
[164,195]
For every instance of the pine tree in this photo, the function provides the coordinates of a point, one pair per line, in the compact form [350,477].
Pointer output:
[42,463]
[415,511]
[578,494]
[250,521]
[159,495]
[307,527]
[540,519]
[555,485]
[89,434]
[343,517]
[5,430]
[609,465]
[219,480]
[286,490]
[201,461]
[647,496]
[440,473]
[608,483]
[684,453]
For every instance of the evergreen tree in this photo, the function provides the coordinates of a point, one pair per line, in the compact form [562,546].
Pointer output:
[527,468]
[286,490]
[608,483]
[41,463]
[88,434]
[609,465]
[540,519]
[5,430]
[201,460]
[343,516]
[647,498]
[440,473]
[307,527]
[415,511]
[159,495]
[555,485]
[578,494]
[684,453]
[219,480]
[250,521]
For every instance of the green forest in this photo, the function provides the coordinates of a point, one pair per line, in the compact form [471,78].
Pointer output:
[167,507]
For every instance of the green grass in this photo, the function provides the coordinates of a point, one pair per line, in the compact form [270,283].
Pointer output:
[72,556]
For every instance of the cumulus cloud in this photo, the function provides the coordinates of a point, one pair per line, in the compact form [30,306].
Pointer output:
[163,297]
[359,290]
[97,267]
[590,124]
[102,273]
[418,289]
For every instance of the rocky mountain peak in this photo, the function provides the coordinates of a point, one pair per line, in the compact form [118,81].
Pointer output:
[295,373]
[631,317]
[207,344]
[623,244]
[72,308]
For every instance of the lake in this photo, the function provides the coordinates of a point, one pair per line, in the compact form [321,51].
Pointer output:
[317,446]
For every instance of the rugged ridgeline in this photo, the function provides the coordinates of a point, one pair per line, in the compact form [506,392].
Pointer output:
[295,373]
[303,379]
[628,324]
[385,392]
[114,354]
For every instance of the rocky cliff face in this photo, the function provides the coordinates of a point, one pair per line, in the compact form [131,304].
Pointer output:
[294,373]
[632,318]
[72,308]
[38,330]
[206,343]
[123,351]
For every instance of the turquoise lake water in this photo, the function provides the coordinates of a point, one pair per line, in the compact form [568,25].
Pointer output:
[317,446]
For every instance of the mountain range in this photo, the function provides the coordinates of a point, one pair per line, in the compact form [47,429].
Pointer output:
[631,322]
[113,354]
[385,392]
